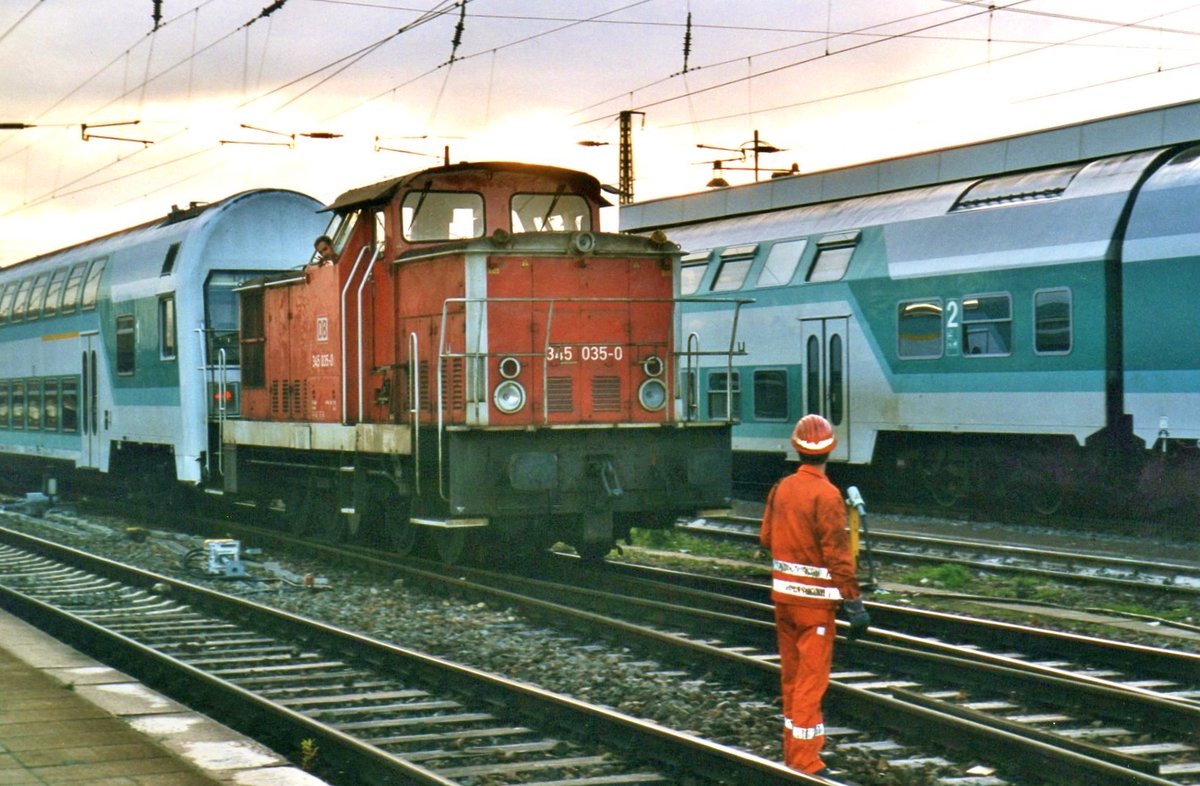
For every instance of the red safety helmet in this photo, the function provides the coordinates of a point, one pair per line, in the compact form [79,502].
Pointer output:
[813,436]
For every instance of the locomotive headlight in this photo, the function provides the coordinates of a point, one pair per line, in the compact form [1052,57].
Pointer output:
[652,395]
[653,366]
[510,367]
[509,397]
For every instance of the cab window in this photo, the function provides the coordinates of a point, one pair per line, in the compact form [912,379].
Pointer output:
[550,213]
[441,215]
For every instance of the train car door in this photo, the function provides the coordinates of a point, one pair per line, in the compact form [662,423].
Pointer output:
[89,397]
[825,350]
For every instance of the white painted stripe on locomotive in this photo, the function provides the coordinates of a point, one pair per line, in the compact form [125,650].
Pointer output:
[362,437]
[478,394]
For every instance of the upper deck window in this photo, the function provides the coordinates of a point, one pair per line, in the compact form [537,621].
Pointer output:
[441,215]
[691,272]
[550,213]
[782,260]
[833,257]
[735,264]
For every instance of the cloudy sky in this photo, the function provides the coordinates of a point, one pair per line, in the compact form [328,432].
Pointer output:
[229,93]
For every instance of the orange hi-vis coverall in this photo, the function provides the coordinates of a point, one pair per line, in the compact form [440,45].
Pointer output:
[804,528]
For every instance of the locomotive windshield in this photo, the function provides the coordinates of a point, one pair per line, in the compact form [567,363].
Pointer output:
[550,213]
[442,215]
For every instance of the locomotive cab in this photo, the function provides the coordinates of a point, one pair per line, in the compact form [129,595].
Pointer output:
[478,364]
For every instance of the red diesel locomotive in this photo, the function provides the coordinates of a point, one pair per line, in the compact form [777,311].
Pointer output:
[479,365]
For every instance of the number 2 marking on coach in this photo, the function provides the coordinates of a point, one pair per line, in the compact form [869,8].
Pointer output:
[951,315]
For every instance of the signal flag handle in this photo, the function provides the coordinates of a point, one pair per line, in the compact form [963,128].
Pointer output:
[854,500]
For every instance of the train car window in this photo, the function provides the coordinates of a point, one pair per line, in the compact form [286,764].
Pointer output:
[33,405]
[837,375]
[833,257]
[550,213]
[7,294]
[986,325]
[735,264]
[812,382]
[166,327]
[771,395]
[50,405]
[54,292]
[781,264]
[74,283]
[720,387]
[18,405]
[1052,322]
[168,264]
[221,317]
[37,296]
[91,285]
[919,329]
[1013,189]
[126,344]
[22,300]
[691,272]
[70,405]
[441,215]
[3,405]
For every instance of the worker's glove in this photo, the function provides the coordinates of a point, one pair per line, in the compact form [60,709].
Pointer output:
[859,619]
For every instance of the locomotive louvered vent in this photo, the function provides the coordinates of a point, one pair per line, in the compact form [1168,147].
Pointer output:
[452,383]
[276,403]
[423,387]
[606,394]
[560,394]
[295,406]
[1011,189]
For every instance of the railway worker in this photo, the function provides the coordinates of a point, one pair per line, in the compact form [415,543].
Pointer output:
[325,254]
[804,528]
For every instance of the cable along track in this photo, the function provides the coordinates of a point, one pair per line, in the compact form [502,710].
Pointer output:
[380,713]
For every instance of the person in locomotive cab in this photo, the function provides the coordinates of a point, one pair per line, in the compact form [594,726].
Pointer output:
[812,571]
[325,254]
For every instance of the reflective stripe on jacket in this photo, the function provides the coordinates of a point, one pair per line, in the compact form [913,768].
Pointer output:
[804,527]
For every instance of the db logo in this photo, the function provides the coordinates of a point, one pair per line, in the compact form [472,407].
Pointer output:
[322,328]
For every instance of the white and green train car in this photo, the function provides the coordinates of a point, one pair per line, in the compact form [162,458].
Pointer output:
[120,354]
[1015,319]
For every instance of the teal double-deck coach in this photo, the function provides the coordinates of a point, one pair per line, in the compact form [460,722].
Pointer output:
[120,354]
[1016,318]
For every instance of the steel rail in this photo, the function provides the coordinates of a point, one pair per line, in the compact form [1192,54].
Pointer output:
[646,739]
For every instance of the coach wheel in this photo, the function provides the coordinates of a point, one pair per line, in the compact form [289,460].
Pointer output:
[592,551]
[1044,497]
[948,477]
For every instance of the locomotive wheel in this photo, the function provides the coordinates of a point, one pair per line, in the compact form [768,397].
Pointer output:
[386,523]
[1044,497]
[450,543]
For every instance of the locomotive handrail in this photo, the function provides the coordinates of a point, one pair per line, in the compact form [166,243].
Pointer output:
[414,382]
[342,322]
[362,372]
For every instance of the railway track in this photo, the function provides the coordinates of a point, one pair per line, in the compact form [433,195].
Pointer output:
[934,683]
[376,713]
[1169,578]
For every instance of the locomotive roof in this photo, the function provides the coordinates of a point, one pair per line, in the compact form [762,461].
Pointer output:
[581,182]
